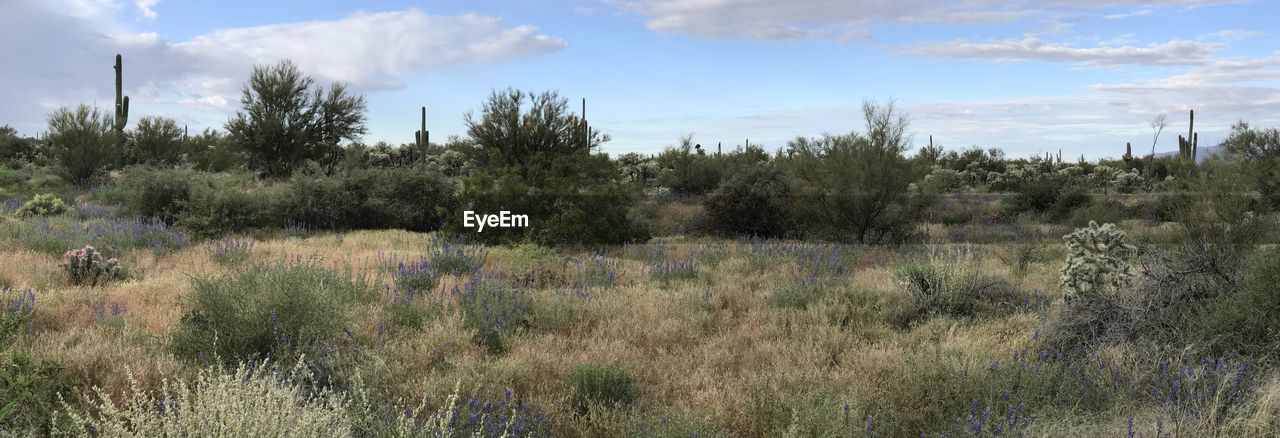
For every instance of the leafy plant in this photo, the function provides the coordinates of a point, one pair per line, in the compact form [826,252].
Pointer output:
[43,205]
[87,267]
[29,392]
[82,141]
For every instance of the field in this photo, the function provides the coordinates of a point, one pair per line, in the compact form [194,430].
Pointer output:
[701,337]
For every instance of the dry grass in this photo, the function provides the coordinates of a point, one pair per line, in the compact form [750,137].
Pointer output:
[702,346]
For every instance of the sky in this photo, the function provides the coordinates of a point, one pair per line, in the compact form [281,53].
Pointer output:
[1026,76]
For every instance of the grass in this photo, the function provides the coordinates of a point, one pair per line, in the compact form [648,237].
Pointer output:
[723,339]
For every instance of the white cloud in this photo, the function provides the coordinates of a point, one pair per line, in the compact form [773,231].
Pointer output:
[806,19]
[1030,48]
[147,8]
[71,63]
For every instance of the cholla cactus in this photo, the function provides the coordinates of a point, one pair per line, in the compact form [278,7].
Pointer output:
[941,179]
[87,267]
[43,205]
[1096,260]
[1128,180]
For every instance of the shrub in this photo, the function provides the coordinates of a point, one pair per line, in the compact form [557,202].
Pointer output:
[254,400]
[454,256]
[43,205]
[319,201]
[15,314]
[87,267]
[29,393]
[156,141]
[266,309]
[951,218]
[409,198]
[82,141]
[1100,212]
[947,283]
[156,193]
[229,251]
[798,295]
[494,310]
[602,385]
[674,269]
[855,186]
[754,202]
[1259,150]
[1097,261]
[419,276]
[1245,320]
[217,207]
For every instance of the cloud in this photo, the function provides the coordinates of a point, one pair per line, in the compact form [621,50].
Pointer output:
[147,8]
[774,20]
[1030,48]
[1130,14]
[68,59]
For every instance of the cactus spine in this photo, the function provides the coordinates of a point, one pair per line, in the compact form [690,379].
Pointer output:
[122,102]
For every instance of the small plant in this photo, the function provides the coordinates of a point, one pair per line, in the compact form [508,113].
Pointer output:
[87,267]
[416,276]
[674,269]
[16,310]
[495,310]
[43,205]
[602,385]
[230,251]
[1097,260]
[947,283]
[454,256]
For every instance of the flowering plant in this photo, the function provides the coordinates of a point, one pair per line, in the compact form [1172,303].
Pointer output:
[86,266]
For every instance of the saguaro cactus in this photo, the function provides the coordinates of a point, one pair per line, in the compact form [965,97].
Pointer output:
[1188,146]
[122,102]
[1128,151]
[423,137]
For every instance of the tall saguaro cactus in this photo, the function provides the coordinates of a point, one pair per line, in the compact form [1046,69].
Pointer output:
[1188,147]
[122,102]
[423,137]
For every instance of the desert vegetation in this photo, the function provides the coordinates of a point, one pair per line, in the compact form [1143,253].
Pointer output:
[277,277]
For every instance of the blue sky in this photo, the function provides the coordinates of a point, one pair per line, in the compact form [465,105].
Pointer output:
[1027,76]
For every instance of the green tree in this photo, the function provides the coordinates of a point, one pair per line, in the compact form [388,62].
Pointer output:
[1259,150]
[537,163]
[157,141]
[286,120]
[854,187]
[82,142]
[14,149]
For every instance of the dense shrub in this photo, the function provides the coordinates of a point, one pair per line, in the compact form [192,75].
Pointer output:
[1246,320]
[266,309]
[947,283]
[156,141]
[82,142]
[1259,150]
[854,187]
[218,207]
[754,202]
[14,150]
[410,198]
[43,205]
[161,194]
[87,267]
[602,385]
[254,400]
[29,392]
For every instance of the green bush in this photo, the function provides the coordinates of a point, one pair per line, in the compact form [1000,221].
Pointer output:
[1100,212]
[82,142]
[216,208]
[409,198]
[156,141]
[43,205]
[755,202]
[1248,319]
[266,309]
[602,385]
[29,393]
[156,193]
[947,283]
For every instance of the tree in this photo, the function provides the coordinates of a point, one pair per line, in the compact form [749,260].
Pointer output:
[1259,152]
[286,120]
[82,142]
[1158,123]
[537,163]
[13,149]
[157,141]
[519,125]
[854,187]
